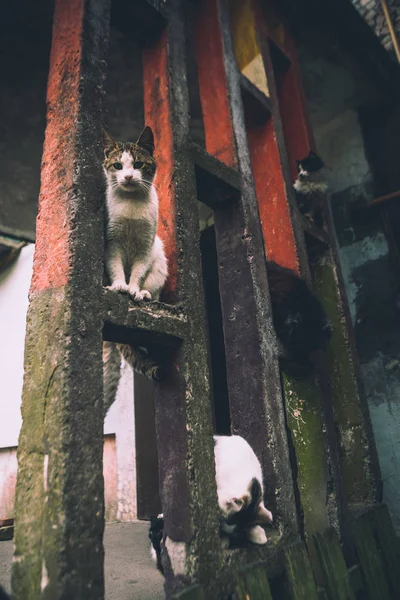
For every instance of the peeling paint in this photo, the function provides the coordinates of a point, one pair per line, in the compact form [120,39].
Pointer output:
[356,255]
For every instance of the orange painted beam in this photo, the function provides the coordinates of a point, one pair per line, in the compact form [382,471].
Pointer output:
[51,260]
[292,105]
[214,100]
[273,207]
[158,116]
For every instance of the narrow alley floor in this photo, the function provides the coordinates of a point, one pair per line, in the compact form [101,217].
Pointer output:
[130,572]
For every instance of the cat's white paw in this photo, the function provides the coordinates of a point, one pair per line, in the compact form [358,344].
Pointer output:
[118,286]
[146,295]
[257,535]
[135,293]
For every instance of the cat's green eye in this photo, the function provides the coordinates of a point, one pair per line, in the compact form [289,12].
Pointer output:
[138,165]
[118,166]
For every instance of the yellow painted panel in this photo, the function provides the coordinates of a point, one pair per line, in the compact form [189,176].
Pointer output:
[247,51]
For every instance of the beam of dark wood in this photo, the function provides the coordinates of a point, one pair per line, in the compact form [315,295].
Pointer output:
[59,504]
[252,582]
[316,233]
[216,182]
[389,545]
[126,322]
[256,105]
[254,388]
[143,20]
[333,566]
[299,573]
[183,404]
[371,559]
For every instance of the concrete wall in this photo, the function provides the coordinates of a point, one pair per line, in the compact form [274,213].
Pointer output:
[119,466]
[337,92]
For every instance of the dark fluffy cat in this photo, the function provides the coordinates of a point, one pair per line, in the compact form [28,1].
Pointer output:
[300,322]
[311,188]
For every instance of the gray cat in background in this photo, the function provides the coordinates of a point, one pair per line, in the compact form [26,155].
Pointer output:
[134,255]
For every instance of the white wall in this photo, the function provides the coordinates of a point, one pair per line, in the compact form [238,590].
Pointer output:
[14,288]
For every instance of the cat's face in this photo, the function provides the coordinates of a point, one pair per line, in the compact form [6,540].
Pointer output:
[311,164]
[130,167]
[247,511]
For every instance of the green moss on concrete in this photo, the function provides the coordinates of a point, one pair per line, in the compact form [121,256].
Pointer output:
[306,425]
[356,475]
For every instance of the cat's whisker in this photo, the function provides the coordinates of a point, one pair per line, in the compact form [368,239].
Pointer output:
[151,183]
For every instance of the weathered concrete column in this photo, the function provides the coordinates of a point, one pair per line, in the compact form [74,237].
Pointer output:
[59,501]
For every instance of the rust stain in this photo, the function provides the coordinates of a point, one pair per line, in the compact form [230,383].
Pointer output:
[51,261]
[212,84]
[273,207]
[158,116]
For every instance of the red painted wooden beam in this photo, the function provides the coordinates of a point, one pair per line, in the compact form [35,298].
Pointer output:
[60,492]
[156,89]
[217,118]
[292,104]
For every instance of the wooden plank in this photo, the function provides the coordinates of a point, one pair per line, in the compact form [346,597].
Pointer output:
[256,105]
[389,545]
[60,507]
[252,583]
[216,183]
[183,407]
[126,322]
[142,20]
[148,493]
[252,368]
[299,573]
[333,566]
[371,559]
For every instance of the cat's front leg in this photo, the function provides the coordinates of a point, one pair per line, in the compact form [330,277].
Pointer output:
[138,272]
[115,270]
[257,535]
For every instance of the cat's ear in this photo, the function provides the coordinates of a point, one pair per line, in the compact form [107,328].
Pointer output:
[108,143]
[146,140]
[263,515]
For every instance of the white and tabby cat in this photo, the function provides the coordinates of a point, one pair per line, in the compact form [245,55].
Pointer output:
[134,255]
[240,496]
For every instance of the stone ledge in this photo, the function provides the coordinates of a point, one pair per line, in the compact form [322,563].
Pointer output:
[144,323]
[216,182]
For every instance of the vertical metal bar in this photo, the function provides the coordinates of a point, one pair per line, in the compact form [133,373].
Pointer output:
[59,499]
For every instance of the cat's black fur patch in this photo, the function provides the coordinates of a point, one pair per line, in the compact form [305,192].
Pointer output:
[247,515]
[300,322]
[3,594]
[311,188]
[311,163]
[156,531]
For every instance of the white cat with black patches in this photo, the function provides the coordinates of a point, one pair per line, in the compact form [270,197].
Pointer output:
[240,496]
